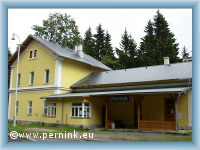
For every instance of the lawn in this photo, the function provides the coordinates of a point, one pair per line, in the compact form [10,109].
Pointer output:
[23,128]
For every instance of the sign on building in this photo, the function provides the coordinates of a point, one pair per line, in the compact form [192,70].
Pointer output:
[119,98]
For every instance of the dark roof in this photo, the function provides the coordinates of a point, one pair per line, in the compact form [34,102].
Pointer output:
[178,71]
[60,51]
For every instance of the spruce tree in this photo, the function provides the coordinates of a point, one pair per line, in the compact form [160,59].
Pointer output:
[108,49]
[89,44]
[127,52]
[100,42]
[166,45]
[186,55]
[146,53]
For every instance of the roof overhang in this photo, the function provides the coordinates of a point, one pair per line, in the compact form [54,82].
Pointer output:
[123,92]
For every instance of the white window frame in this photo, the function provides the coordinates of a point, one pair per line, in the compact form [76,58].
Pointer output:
[30,54]
[31,77]
[30,107]
[45,76]
[44,107]
[34,54]
[54,107]
[19,76]
[17,107]
[82,114]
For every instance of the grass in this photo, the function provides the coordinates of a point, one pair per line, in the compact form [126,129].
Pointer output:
[161,139]
[183,134]
[20,128]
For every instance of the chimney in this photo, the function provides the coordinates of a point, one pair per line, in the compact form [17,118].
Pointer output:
[79,50]
[166,60]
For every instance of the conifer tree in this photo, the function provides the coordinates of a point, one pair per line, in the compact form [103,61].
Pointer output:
[127,52]
[146,53]
[185,55]
[99,42]
[165,41]
[89,44]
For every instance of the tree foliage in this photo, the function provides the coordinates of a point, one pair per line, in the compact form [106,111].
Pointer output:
[60,29]
[9,55]
[89,44]
[127,52]
[185,55]
[158,42]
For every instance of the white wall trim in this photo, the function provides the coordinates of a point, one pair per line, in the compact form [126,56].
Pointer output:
[9,105]
[38,88]
[58,72]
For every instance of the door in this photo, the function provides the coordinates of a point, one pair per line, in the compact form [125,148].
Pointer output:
[136,113]
[169,110]
[103,115]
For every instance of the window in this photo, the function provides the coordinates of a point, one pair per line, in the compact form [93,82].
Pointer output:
[31,78]
[45,108]
[80,109]
[18,83]
[29,107]
[30,54]
[46,76]
[17,105]
[35,53]
[51,109]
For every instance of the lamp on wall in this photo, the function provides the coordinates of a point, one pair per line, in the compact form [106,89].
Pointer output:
[13,38]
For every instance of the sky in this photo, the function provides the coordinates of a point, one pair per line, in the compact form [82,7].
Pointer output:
[115,21]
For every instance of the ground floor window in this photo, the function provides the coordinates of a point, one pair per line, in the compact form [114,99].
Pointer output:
[81,110]
[29,107]
[49,109]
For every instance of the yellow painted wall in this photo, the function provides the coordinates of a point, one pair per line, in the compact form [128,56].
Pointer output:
[183,108]
[121,111]
[37,105]
[72,71]
[44,61]
[96,111]
[153,107]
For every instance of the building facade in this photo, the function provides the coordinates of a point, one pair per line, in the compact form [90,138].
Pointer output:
[59,85]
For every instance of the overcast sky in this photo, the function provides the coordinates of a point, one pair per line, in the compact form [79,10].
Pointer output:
[115,21]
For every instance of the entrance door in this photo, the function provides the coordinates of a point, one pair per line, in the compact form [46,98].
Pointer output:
[169,110]
[136,113]
[103,115]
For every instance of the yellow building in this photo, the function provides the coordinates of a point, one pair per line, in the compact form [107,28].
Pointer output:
[60,85]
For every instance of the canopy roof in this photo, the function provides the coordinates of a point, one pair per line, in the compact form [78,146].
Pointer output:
[123,92]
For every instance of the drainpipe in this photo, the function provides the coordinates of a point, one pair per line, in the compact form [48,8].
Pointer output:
[62,112]
[179,94]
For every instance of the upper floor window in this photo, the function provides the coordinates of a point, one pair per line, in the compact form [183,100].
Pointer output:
[18,83]
[46,76]
[29,108]
[33,54]
[31,78]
